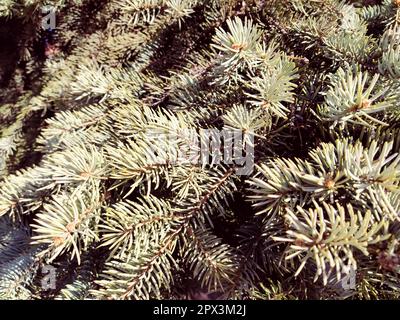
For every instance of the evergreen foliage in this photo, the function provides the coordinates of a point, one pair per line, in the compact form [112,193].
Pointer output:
[86,187]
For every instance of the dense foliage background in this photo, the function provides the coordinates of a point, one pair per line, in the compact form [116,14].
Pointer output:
[315,82]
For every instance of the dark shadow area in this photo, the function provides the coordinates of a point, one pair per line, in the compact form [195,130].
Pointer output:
[9,30]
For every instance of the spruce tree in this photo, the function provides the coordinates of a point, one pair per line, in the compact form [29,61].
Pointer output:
[91,190]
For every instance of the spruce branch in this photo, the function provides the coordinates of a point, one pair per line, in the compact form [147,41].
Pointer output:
[330,237]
